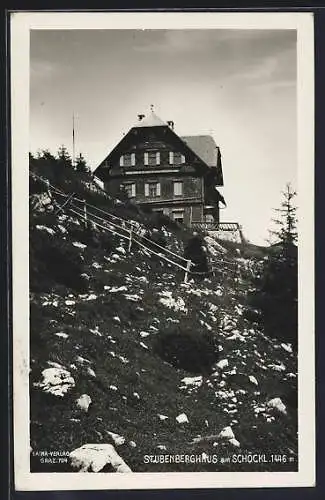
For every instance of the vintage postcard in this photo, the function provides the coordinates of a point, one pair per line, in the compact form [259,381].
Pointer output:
[163,249]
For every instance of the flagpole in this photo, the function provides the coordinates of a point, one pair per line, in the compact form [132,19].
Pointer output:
[73,142]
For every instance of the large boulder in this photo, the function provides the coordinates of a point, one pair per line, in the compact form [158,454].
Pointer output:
[94,457]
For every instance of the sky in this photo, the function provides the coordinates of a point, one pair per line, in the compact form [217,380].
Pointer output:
[237,85]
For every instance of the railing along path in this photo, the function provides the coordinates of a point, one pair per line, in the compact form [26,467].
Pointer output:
[125,229]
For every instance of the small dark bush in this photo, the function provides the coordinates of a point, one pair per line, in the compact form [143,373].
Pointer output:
[187,350]
[52,260]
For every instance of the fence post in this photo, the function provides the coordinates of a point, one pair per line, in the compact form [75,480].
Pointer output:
[85,212]
[130,240]
[187,271]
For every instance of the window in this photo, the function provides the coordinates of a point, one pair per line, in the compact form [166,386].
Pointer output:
[178,188]
[176,158]
[178,216]
[152,189]
[130,189]
[152,158]
[127,160]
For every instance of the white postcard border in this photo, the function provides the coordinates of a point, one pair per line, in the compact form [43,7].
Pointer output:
[21,24]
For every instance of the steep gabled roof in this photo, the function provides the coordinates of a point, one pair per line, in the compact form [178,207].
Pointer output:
[204,147]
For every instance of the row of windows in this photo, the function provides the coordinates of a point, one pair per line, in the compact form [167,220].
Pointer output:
[152,189]
[151,158]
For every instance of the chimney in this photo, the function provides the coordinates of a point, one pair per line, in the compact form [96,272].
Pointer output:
[170,123]
[140,117]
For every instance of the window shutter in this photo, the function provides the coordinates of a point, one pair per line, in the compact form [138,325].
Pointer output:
[171,157]
[182,159]
[158,158]
[158,189]
[178,188]
[146,158]
[146,189]
[132,189]
[121,161]
[132,159]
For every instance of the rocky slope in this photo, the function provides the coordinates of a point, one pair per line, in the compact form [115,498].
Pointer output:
[100,315]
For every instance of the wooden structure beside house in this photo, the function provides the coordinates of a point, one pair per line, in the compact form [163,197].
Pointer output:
[177,176]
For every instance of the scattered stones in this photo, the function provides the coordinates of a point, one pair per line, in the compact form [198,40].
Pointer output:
[84,402]
[69,302]
[118,440]
[56,381]
[226,433]
[278,405]
[94,457]
[182,419]
[234,442]
[222,364]
[192,381]
[62,335]
[253,379]
[79,245]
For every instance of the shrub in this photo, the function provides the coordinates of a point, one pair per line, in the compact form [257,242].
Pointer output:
[188,350]
[53,260]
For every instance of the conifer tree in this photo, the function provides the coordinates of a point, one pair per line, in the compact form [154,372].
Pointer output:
[277,287]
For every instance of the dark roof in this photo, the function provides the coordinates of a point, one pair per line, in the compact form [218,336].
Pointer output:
[204,147]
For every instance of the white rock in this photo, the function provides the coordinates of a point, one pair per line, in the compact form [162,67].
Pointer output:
[95,331]
[278,405]
[117,319]
[253,379]
[113,387]
[182,418]
[144,345]
[91,372]
[116,289]
[92,296]
[144,334]
[226,433]
[56,381]
[94,457]
[234,442]
[83,402]
[277,368]
[69,302]
[79,245]
[222,364]
[287,347]
[121,250]
[196,381]
[132,444]
[162,417]
[161,447]
[62,334]
[118,440]
[45,228]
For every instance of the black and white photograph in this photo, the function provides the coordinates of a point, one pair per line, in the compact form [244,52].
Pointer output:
[162,186]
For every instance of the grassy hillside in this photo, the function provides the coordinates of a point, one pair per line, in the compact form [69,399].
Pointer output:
[118,324]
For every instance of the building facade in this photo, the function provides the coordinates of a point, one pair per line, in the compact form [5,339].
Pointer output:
[176,176]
